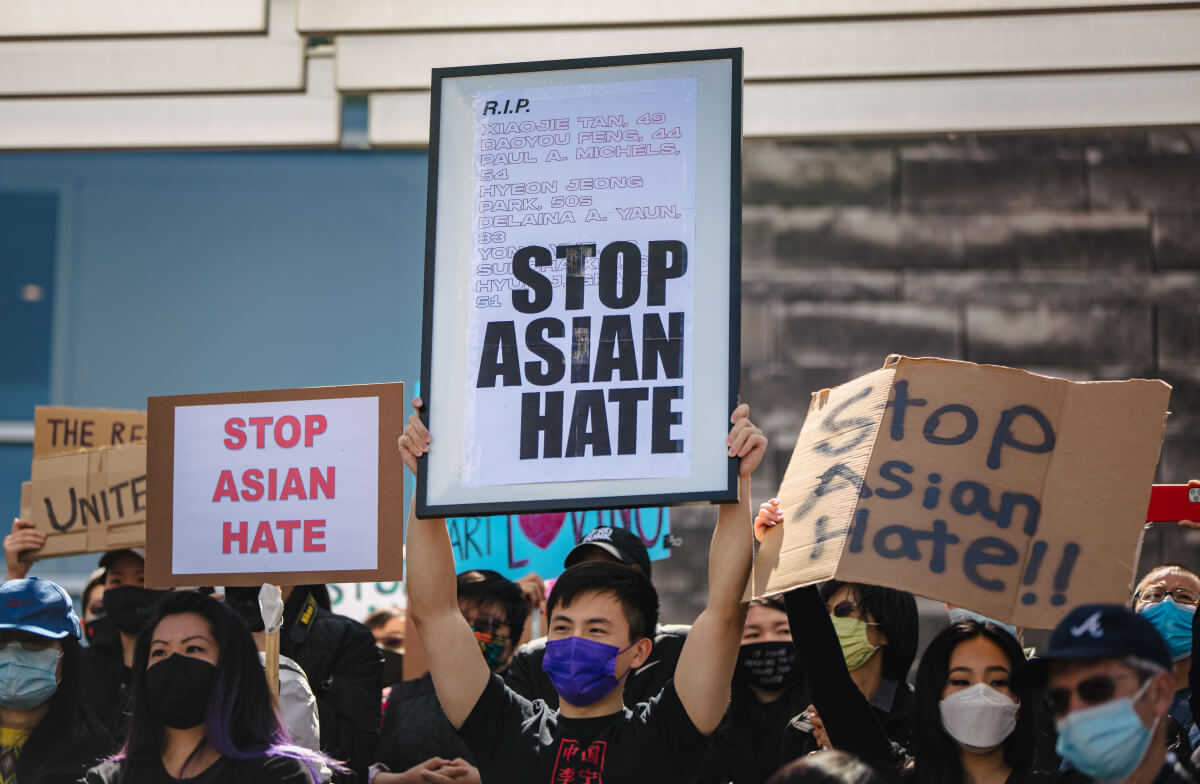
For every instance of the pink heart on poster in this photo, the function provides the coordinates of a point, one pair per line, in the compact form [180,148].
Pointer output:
[541,529]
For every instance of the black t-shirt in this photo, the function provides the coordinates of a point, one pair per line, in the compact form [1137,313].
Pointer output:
[264,770]
[516,740]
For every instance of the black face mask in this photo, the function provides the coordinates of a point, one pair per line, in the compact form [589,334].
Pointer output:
[101,632]
[178,690]
[770,666]
[130,606]
[244,602]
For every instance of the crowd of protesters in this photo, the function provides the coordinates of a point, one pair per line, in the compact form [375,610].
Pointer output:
[811,686]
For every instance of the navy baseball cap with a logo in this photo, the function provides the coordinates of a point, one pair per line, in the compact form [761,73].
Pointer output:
[38,607]
[622,544]
[1095,631]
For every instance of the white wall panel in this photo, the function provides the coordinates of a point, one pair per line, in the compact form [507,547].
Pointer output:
[312,118]
[367,15]
[894,47]
[64,18]
[398,119]
[888,107]
[159,65]
[1009,103]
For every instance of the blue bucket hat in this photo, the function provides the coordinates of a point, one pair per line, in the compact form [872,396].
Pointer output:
[38,607]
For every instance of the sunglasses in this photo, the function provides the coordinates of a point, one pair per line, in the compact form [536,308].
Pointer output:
[844,609]
[1095,690]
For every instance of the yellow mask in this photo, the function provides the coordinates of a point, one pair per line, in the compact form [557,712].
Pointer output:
[852,634]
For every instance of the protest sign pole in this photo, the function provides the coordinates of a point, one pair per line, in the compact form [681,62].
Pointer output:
[270,604]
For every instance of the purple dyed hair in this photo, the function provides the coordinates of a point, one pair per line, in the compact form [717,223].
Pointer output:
[241,721]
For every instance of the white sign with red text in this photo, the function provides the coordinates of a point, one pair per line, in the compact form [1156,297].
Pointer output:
[286,486]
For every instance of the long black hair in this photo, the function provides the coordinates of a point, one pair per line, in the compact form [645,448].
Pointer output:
[935,754]
[67,721]
[241,721]
[896,613]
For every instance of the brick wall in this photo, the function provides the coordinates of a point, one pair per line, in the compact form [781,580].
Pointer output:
[1075,254]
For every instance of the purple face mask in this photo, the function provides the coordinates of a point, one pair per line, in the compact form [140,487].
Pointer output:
[581,670]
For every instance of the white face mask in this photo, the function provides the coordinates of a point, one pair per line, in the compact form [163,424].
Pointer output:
[979,718]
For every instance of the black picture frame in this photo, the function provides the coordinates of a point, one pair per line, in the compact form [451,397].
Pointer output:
[728,489]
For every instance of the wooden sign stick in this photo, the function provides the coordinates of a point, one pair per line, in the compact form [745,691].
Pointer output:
[270,604]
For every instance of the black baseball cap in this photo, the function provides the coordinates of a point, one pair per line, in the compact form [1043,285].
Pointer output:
[1095,631]
[621,543]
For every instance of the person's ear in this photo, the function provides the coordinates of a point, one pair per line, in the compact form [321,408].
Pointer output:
[641,652]
[1163,692]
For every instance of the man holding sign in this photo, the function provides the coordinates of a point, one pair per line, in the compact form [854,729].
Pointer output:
[599,630]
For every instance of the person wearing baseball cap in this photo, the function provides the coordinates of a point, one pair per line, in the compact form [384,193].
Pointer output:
[607,543]
[1108,681]
[47,735]
[615,545]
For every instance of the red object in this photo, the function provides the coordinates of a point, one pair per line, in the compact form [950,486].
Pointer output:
[1170,503]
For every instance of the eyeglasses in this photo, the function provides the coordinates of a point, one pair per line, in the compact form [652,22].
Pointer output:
[1095,690]
[29,644]
[487,625]
[1157,593]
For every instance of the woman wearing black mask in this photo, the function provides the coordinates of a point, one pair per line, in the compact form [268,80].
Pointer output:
[128,604]
[763,727]
[201,707]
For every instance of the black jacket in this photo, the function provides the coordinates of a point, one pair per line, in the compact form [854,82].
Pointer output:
[755,739]
[345,671]
[106,687]
[65,760]
[415,728]
[525,675]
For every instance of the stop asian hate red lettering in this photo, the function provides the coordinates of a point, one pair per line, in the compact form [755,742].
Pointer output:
[274,484]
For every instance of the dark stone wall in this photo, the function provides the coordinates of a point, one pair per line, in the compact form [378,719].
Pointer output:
[1071,254]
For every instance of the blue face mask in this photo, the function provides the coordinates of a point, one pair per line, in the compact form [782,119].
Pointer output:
[1174,623]
[581,670]
[27,678]
[962,614]
[1106,742]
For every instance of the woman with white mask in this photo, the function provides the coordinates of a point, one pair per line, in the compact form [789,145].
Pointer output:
[968,726]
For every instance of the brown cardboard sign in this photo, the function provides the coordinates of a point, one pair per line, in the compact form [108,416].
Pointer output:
[89,501]
[284,486]
[61,429]
[1015,495]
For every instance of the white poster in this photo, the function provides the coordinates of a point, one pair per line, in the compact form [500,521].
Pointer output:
[579,340]
[287,486]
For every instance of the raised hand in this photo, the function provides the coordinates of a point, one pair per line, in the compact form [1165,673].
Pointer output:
[745,440]
[414,442]
[770,514]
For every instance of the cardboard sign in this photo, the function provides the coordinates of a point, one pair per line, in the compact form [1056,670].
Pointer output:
[515,545]
[1015,495]
[287,486]
[89,502]
[61,429]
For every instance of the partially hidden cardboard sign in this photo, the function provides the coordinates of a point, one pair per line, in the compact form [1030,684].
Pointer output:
[286,486]
[64,429]
[1015,495]
[88,502]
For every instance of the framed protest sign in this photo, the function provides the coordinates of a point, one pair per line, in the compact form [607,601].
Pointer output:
[1009,493]
[581,317]
[286,486]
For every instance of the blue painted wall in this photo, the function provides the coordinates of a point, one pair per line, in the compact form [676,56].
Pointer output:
[203,272]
